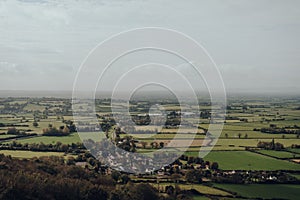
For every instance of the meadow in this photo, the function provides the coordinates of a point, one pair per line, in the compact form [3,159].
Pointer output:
[203,189]
[244,160]
[29,154]
[73,138]
[265,191]
[279,154]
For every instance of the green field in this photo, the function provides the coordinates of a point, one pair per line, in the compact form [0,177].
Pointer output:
[294,150]
[278,154]
[223,144]
[6,136]
[73,138]
[29,154]
[34,107]
[296,176]
[266,191]
[200,188]
[244,160]
[240,144]
[160,136]
[253,142]
[234,128]
[200,198]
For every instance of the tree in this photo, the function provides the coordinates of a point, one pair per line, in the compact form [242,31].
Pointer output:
[161,145]
[272,144]
[97,193]
[116,175]
[226,135]
[214,166]
[35,124]
[193,176]
[278,146]
[198,160]
[12,131]
[91,161]
[170,190]
[190,160]
[72,127]
[239,135]
[115,195]
[154,145]
[125,178]
[142,191]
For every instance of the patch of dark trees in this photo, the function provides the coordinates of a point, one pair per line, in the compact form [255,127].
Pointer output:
[106,124]
[14,131]
[173,119]
[13,125]
[270,145]
[205,114]
[61,131]
[50,178]
[273,129]
[295,146]
[53,178]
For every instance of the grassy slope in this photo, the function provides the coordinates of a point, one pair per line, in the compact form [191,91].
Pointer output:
[200,188]
[243,160]
[73,138]
[278,154]
[264,191]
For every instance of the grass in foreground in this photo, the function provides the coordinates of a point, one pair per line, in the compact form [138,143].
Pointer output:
[267,191]
[200,198]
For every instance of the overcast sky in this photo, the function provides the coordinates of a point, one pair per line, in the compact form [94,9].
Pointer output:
[255,43]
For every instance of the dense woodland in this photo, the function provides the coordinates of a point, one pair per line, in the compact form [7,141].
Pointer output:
[52,178]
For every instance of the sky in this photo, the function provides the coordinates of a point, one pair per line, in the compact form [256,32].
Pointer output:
[254,43]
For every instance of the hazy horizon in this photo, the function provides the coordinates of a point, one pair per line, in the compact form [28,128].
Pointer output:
[255,44]
[107,94]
